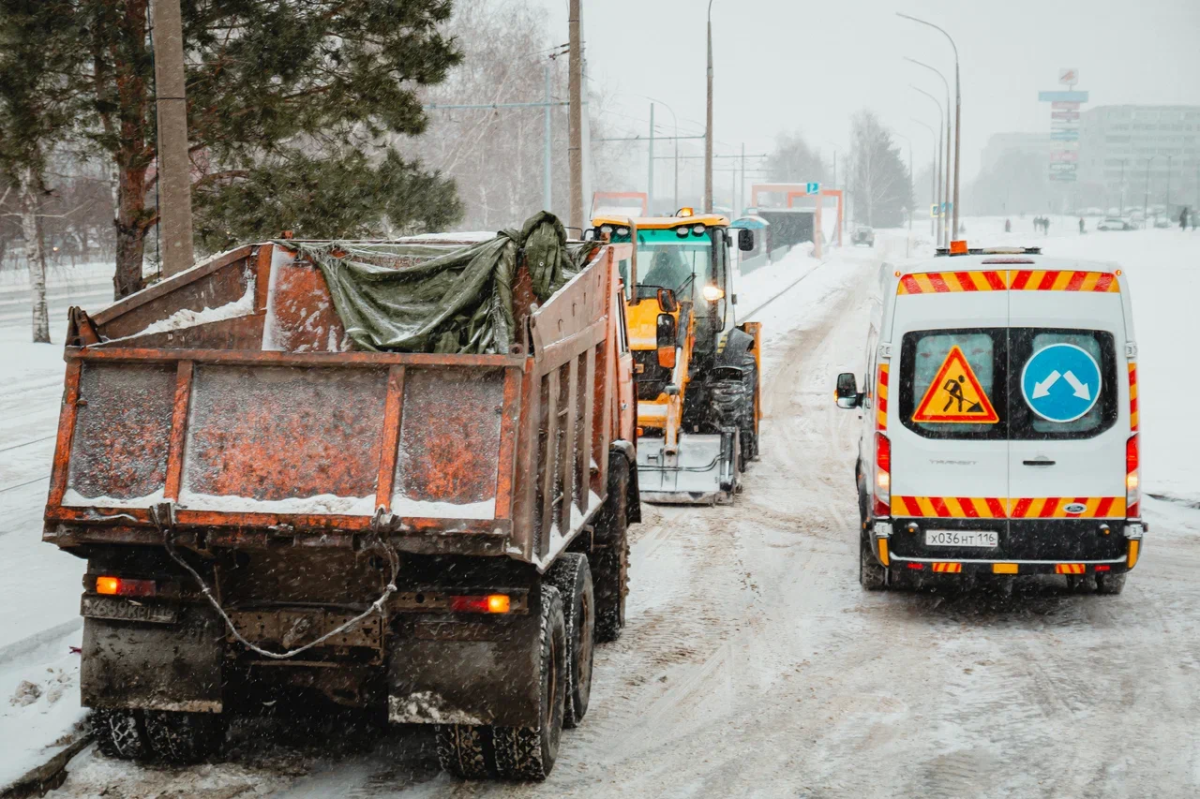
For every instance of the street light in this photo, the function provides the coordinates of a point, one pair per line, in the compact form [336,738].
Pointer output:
[674,119]
[933,172]
[957,110]
[708,128]
[947,87]
[941,200]
[1146,198]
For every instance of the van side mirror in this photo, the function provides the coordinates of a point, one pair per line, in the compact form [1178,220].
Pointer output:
[665,335]
[846,394]
[745,239]
[667,301]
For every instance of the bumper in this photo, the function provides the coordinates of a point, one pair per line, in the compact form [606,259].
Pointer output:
[1044,546]
[702,472]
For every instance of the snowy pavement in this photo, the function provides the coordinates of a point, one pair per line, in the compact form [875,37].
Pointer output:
[753,664]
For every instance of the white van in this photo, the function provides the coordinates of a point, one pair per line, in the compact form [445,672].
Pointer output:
[1000,422]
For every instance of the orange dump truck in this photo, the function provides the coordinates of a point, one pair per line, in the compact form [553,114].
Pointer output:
[268,512]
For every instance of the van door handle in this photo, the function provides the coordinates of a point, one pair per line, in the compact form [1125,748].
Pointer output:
[1039,462]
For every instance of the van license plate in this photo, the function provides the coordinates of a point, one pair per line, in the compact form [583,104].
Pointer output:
[962,538]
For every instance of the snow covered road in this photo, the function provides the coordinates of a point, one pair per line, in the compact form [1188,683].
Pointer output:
[754,665]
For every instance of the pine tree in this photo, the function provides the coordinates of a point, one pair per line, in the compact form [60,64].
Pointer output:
[793,161]
[268,82]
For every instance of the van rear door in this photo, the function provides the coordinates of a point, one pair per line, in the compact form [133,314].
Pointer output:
[949,429]
[1069,407]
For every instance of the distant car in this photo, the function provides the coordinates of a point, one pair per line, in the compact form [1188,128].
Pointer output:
[1114,224]
[863,235]
[1162,222]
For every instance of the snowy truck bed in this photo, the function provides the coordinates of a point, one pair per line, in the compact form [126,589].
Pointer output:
[228,398]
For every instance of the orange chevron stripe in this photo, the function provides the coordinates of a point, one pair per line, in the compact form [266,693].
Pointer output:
[1014,280]
[881,396]
[1012,508]
[928,282]
[1056,508]
[947,567]
[1133,397]
[1069,568]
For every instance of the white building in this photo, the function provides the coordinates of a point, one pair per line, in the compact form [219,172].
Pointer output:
[1129,153]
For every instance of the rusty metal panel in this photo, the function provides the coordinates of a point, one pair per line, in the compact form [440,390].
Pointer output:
[393,409]
[300,313]
[122,432]
[236,333]
[575,307]
[284,440]
[449,443]
[506,460]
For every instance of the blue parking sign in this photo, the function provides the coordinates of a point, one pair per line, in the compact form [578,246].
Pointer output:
[1061,382]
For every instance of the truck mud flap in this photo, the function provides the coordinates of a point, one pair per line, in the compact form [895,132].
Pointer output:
[155,666]
[466,670]
[702,472]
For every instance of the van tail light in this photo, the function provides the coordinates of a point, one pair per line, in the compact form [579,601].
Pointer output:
[1133,483]
[883,476]
[118,586]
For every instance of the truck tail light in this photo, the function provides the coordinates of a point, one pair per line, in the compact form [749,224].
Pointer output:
[1133,486]
[119,586]
[490,603]
[883,476]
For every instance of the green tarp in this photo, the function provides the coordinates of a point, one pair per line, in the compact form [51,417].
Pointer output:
[421,298]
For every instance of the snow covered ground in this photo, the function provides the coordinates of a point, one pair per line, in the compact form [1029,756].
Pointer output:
[752,665]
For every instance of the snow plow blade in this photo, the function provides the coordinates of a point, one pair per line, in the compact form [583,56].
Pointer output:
[703,471]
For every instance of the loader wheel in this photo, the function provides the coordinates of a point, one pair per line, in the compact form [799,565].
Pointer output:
[184,738]
[528,753]
[120,734]
[465,750]
[610,559]
[733,405]
[871,573]
[1110,583]
[573,579]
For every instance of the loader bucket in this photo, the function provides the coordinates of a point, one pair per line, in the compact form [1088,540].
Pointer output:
[702,472]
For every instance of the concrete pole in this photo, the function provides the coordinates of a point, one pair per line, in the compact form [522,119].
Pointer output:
[1146,198]
[708,128]
[957,133]
[650,181]
[948,231]
[575,115]
[174,168]
[737,208]
[548,147]
[943,132]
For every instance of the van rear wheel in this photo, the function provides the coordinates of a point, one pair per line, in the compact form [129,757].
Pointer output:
[1110,583]
[871,573]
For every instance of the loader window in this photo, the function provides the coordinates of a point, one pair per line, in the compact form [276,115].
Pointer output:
[929,355]
[682,264]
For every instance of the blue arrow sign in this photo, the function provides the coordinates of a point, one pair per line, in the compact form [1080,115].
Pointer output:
[1061,382]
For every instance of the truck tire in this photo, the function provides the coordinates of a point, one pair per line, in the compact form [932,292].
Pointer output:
[120,734]
[465,750]
[610,557]
[733,405]
[1110,583]
[528,753]
[184,738]
[572,577]
[871,573]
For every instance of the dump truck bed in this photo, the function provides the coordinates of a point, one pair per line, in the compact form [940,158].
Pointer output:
[227,398]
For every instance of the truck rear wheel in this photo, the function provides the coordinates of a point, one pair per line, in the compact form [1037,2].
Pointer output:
[465,750]
[572,577]
[529,753]
[610,558]
[184,737]
[120,734]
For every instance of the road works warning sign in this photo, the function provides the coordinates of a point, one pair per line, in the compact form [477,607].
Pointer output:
[955,396]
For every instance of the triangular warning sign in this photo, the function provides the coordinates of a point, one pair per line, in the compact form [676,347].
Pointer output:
[955,396]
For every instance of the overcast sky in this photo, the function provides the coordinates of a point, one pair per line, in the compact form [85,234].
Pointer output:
[807,66]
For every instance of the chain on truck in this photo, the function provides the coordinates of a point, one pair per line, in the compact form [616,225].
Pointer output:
[269,510]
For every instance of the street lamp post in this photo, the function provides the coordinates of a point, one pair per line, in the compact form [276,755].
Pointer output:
[1122,208]
[1168,202]
[957,111]
[933,176]
[941,200]
[1146,197]
[675,121]
[708,128]
[947,178]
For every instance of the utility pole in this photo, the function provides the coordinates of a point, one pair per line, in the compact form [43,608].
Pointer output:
[547,145]
[1122,212]
[942,227]
[736,209]
[575,98]
[708,128]
[1146,197]
[1168,202]
[650,182]
[174,168]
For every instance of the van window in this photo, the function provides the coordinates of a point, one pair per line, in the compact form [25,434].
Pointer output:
[922,354]
[1025,424]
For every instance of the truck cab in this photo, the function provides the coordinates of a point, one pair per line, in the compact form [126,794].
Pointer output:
[999,421]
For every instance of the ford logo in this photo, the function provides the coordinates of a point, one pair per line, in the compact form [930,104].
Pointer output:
[1075,507]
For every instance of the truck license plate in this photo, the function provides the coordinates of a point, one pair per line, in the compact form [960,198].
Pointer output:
[100,607]
[962,538]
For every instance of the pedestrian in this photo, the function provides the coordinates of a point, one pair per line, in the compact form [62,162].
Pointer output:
[1008,226]
[1046,225]
[1081,228]
[1183,219]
